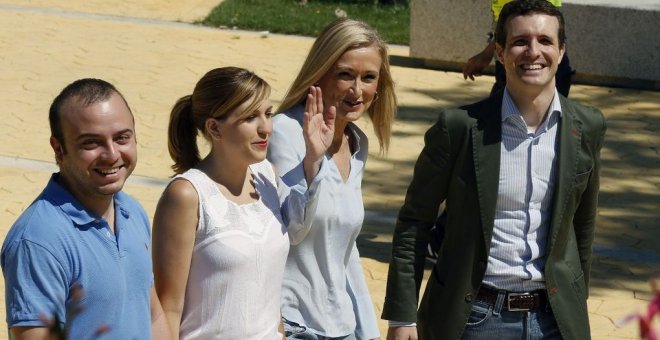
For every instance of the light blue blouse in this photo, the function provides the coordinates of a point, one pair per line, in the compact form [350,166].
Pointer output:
[324,287]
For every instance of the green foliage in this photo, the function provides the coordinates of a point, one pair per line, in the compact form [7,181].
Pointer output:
[293,17]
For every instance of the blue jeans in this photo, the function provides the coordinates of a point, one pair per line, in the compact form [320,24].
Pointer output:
[294,331]
[495,322]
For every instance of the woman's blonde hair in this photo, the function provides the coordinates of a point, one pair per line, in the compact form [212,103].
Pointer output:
[338,37]
[216,95]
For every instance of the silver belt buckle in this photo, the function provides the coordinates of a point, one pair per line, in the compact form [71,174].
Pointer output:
[515,295]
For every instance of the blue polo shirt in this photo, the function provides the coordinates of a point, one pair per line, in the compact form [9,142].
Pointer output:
[56,244]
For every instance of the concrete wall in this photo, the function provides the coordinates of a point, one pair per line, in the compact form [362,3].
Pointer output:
[608,43]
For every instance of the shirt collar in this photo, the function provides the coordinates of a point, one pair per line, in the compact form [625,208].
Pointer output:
[509,108]
[63,199]
[351,128]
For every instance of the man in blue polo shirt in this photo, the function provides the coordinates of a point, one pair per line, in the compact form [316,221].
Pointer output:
[83,234]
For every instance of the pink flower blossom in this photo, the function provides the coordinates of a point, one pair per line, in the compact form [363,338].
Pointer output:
[646,330]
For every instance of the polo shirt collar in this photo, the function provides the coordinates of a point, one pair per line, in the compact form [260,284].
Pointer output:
[62,198]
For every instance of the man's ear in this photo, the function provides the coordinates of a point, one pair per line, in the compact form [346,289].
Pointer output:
[562,50]
[213,128]
[499,52]
[58,148]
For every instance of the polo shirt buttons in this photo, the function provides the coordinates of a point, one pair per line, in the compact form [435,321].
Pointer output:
[468,297]
[107,233]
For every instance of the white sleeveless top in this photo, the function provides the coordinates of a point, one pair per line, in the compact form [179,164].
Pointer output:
[235,279]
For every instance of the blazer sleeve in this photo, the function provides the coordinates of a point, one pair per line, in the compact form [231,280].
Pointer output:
[428,188]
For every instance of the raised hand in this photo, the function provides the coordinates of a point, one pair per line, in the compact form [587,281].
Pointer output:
[318,131]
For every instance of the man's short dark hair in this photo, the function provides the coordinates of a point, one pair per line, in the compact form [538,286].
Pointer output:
[85,91]
[527,7]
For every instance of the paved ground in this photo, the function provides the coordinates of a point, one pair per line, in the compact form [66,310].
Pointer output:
[154,60]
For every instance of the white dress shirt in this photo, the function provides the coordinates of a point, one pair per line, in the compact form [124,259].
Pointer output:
[528,167]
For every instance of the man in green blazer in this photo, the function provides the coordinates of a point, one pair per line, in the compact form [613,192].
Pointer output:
[519,173]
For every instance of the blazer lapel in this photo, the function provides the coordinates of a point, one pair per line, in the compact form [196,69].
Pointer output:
[486,143]
[570,137]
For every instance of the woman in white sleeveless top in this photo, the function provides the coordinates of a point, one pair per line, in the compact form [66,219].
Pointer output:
[220,238]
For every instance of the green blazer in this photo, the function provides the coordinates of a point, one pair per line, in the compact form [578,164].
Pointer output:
[460,164]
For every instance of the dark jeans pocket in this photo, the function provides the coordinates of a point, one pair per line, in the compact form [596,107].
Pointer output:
[481,312]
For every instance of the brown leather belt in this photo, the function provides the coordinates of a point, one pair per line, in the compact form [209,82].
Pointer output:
[515,302]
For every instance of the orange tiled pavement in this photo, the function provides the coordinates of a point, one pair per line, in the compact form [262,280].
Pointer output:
[139,46]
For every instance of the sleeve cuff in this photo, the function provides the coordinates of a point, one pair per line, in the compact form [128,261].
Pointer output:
[323,171]
[402,324]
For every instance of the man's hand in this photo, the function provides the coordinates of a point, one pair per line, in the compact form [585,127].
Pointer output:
[402,333]
[476,65]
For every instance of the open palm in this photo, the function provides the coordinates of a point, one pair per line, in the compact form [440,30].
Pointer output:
[318,125]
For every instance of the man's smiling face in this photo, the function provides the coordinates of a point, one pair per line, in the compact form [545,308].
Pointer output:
[532,52]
